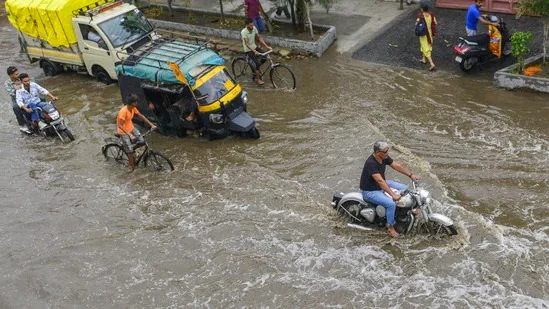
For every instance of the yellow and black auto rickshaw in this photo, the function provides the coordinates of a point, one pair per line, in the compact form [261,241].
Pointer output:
[185,87]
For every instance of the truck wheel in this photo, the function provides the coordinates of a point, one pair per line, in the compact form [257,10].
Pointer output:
[103,77]
[50,69]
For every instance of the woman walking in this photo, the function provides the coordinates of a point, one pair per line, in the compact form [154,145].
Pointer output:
[426,41]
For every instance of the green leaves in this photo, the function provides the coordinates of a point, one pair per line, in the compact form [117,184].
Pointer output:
[533,7]
[519,41]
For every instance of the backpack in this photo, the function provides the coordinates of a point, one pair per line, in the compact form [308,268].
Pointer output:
[421,27]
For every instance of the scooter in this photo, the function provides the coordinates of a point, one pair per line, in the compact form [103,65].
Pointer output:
[51,123]
[484,47]
[412,213]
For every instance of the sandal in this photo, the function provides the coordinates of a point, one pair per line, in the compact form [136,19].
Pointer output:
[423,61]
[432,68]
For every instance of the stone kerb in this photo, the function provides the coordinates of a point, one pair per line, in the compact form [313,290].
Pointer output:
[316,48]
[505,78]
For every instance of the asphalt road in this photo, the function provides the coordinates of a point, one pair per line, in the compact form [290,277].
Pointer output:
[397,45]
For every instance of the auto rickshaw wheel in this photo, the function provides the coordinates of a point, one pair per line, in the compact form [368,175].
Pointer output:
[253,133]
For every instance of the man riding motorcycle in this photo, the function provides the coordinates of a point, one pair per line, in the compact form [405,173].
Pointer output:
[377,190]
[28,99]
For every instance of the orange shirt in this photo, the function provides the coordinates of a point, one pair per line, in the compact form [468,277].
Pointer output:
[124,119]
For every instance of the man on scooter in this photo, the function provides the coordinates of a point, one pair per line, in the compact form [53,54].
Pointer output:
[28,99]
[377,190]
[473,16]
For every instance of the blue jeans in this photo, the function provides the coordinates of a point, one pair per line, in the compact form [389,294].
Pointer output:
[35,116]
[259,24]
[378,197]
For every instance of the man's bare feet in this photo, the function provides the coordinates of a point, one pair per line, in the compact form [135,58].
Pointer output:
[392,232]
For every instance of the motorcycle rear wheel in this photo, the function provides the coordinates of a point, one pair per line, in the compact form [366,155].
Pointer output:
[507,48]
[350,209]
[466,64]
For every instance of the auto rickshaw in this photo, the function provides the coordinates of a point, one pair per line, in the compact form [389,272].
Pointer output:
[174,79]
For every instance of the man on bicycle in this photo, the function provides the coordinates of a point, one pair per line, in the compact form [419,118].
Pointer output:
[124,125]
[249,38]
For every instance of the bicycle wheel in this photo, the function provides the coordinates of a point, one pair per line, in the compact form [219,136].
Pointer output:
[282,77]
[116,153]
[242,69]
[158,162]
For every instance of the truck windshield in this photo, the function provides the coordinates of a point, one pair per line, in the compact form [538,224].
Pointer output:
[214,88]
[126,28]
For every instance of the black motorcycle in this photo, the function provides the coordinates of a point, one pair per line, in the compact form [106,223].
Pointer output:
[474,50]
[51,123]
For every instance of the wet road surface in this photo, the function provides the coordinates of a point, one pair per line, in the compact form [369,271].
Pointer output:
[247,223]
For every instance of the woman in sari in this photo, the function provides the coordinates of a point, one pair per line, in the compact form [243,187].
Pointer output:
[426,41]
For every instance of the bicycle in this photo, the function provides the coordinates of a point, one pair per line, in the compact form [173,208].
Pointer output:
[281,76]
[114,150]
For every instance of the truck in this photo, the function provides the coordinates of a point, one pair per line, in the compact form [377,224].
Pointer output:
[85,36]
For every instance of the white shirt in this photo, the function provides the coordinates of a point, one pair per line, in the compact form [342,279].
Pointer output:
[24,97]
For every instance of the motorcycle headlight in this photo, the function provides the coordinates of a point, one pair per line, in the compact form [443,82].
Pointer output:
[244,97]
[217,118]
[54,115]
[424,195]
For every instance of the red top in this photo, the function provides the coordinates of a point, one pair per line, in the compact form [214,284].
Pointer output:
[253,8]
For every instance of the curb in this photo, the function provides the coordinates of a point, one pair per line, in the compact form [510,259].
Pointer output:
[504,78]
[316,48]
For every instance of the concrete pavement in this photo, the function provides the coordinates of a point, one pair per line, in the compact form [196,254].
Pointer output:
[357,21]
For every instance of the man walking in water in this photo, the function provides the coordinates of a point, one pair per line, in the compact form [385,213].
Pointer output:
[377,190]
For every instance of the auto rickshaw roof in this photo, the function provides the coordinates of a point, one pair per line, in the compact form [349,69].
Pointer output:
[149,62]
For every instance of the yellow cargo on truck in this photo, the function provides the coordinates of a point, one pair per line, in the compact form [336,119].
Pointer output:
[86,36]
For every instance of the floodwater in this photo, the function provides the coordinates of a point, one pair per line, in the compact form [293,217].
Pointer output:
[247,223]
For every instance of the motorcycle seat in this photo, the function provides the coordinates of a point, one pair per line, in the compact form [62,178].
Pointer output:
[480,39]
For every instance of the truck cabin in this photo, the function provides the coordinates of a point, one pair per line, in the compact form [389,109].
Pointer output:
[113,23]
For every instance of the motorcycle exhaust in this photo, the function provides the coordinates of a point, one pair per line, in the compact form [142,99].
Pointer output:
[359,227]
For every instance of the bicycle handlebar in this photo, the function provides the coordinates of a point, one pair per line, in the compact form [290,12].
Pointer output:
[148,132]
[266,53]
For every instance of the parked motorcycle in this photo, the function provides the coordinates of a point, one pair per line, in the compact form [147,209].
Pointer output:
[51,123]
[413,212]
[484,47]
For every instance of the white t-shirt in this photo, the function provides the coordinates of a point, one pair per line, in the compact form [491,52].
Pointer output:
[250,36]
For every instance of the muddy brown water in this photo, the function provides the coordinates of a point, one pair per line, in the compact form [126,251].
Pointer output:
[247,223]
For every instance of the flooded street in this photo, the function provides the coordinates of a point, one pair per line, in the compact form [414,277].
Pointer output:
[246,223]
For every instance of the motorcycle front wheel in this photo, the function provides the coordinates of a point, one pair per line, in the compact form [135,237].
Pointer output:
[439,229]
[67,134]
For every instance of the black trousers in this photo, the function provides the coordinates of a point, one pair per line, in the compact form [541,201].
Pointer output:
[254,59]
